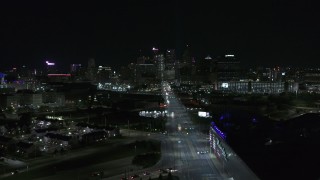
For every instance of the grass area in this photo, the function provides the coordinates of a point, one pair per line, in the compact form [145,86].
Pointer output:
[150,154]
[146,160]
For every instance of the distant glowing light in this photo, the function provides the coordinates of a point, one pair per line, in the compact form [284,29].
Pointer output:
[50,63]
[225,85]
[229,55]
[208,57]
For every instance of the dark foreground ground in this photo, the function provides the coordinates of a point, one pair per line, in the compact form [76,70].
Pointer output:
[282,150]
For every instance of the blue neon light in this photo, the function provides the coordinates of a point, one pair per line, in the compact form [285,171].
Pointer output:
[218,131]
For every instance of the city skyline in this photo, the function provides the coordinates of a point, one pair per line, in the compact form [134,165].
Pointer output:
[266,34]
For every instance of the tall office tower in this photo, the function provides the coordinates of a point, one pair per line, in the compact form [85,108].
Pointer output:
[51,68]
[77,72]
[277,74]
[75,68]
[228,68]
[145,73]
[128,73]
[91,70]
[186,56]
[159,60]
[24,72]
[91,63]
[187,66]
[206,70]
[169,65]
[155,50]
[170,56]
[103,74]
[155,53]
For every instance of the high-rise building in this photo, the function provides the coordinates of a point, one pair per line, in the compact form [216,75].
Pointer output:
[228,68]
[75,68]
[128,73]
[51,68]
[103,74]
[187,66]
[91,63]
[170,56]
[159,60]
[206,70]
[187,56]
[78,72]
[145,73]
[91,70]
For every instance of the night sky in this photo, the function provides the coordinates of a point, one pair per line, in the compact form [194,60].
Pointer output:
[266,33]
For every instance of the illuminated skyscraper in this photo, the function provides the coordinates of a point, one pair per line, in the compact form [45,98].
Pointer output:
[170,60]
[170,56]
[160,66]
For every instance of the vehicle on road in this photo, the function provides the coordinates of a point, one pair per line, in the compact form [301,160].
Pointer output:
[134,176]
[14,172]
[97,174]
[163,171]
[146,173]
[202,152]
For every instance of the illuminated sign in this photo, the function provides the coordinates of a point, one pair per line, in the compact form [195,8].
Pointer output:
[225,85]
[55,117]
[217,144]
[203,114]
[221,151]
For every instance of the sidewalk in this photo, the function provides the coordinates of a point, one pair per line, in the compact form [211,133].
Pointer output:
[223,172]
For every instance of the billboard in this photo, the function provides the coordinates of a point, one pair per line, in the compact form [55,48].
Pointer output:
[225,85]
[203,114]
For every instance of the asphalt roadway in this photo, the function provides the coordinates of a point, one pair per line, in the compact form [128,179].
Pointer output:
[186,149]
